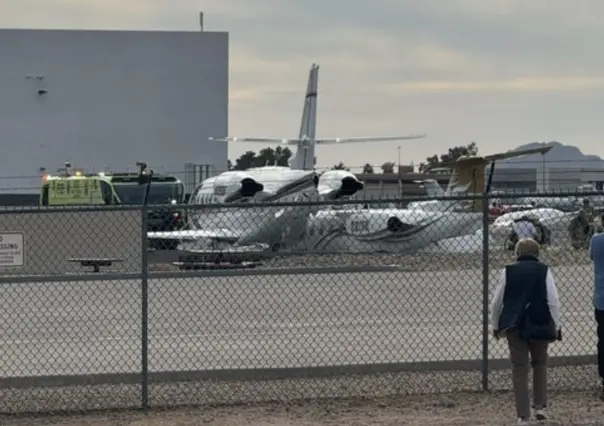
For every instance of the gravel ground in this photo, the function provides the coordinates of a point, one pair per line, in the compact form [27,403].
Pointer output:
[462,408]
[426,261]
[208,393]
[416,262]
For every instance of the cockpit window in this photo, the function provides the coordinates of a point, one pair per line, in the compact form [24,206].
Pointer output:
[205,198]
[159,193]
[194,199]
[107,192]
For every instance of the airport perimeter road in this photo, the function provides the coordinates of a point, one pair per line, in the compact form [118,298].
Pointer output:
[255,321]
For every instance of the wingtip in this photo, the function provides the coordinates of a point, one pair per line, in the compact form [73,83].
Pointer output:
[212,139]
[413,136]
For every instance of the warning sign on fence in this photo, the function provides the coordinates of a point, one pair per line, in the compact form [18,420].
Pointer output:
[12,249]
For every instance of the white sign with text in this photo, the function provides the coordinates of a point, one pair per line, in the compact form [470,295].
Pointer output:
[12,249]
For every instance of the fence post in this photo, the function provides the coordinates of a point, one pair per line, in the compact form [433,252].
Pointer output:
[144,310]
[485,292]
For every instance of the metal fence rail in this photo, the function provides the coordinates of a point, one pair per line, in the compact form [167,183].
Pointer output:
[333,315]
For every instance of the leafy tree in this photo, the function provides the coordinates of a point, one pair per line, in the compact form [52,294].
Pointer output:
[430,162]
[281,156]
[340,166]
[367,169]
[245,161]
[266,157]
[229,165]
[388,167]
[454,153]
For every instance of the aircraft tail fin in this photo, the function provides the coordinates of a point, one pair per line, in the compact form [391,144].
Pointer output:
[304,157]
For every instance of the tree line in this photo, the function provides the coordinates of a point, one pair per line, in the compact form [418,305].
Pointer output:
[280,157]
[265,157]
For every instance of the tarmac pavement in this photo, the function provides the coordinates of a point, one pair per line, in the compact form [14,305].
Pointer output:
[264,321]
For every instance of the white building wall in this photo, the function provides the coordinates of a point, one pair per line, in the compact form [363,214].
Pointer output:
[112,98]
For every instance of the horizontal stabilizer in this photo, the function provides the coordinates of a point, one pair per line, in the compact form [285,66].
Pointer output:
[320,141]
[332,141]
[284,141]
[194,234]
[502,156]
[490,158]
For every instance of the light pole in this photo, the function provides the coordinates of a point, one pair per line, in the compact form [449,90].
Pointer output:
[398,166]
[543,186]
[399,160]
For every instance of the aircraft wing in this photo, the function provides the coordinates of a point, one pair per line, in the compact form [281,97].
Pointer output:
[284,141]
[319,141]
[194,234]
[332,141]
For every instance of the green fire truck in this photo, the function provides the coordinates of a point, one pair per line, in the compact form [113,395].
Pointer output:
[106,189]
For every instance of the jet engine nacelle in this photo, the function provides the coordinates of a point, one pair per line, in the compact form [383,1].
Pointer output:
[249,187]
[335,184]
[376,225]
[395,225]
[230,186]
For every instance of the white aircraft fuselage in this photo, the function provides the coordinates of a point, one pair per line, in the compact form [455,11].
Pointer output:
[261,224]
[384,230]
[404,230]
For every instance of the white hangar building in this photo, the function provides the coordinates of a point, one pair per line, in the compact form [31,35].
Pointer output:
[104,100]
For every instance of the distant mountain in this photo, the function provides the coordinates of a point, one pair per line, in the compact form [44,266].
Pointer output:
[560,156]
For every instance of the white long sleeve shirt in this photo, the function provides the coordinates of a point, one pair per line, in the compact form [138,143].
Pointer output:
[525,229]
[552,300]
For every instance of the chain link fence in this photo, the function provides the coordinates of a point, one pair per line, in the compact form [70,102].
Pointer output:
[269,303]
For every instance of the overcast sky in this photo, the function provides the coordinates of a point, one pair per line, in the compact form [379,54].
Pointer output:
[498,72]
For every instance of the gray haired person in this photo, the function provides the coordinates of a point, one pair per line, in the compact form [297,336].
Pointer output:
[526,310]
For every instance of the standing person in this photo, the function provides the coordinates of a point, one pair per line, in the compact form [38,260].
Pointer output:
[596,252]
[587,212]
[525,227]
[587,215]
[526,310]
